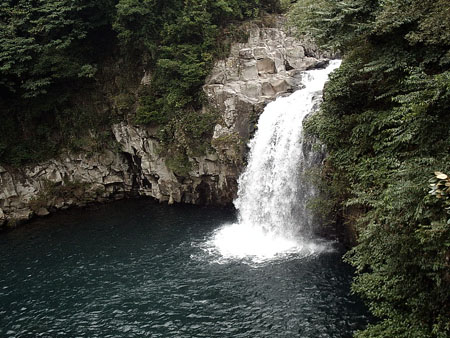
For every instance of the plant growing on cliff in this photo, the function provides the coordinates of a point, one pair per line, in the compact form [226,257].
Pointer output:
[49,50]
[52,192]
[181,39]
[385,123]
[54,56]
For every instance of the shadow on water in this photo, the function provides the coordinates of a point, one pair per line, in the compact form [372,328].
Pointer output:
[136,268]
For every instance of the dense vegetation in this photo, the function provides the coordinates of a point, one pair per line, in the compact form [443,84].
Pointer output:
[180,39]
[385,118]
[48,51]
[385,121]
[57,82]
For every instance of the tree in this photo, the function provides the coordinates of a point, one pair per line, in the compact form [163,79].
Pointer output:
[384,121]
[47,50]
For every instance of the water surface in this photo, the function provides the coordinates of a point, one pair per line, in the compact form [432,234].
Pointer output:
[139,269]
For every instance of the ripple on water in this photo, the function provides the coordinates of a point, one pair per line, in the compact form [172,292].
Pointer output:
[254,245]
[135,269]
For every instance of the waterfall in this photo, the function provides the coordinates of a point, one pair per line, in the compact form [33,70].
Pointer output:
[273,217]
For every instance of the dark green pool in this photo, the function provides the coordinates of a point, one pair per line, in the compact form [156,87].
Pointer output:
[138,269]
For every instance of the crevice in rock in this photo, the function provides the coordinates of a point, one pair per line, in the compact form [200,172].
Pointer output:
[287,65]
[146,183]
[204,193]
[319,65]
[135,171]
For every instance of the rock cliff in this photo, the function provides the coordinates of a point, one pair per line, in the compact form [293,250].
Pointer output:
[270,64]
[71,180]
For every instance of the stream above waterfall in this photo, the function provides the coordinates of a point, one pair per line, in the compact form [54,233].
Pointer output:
[139,269]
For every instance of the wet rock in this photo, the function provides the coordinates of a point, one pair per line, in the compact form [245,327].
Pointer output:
[59,203]
[42,212]
[171,200]
[249,70]
[266,66]
[280,86]
[321,64]
[19,216]
[246,53]
[268,90]
[2,217]
[59,183]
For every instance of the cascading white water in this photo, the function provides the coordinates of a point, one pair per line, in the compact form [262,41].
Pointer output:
[273,218]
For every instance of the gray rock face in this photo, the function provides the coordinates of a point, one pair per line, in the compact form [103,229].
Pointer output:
[255,73]
[208,181]
[2,217]
[270,64]
[72,179]
[42,212]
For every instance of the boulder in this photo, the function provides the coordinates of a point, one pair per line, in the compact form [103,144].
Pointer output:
[20,216]
[267,89]
[260,52]
[246,53]
[42,212]
[2,217]
[249,70]
[280,86]
[266,66]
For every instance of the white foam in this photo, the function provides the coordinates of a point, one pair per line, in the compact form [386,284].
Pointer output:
[241,241]
[273,217]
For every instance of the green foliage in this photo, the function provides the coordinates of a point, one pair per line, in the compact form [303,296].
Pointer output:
[181,40]
[53,191]
[179,163]
[42,44]
[49,51]
[335,24]
[55,53]
[186,136]
[385,122]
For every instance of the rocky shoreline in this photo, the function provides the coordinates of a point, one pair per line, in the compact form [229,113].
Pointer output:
[270,64]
